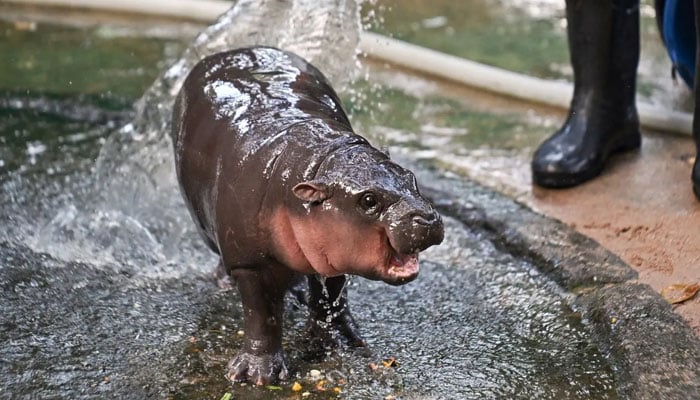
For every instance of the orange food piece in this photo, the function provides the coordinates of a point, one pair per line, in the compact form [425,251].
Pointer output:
[389,362]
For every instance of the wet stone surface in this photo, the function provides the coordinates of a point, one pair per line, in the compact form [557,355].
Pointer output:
[78,331]
[477,323]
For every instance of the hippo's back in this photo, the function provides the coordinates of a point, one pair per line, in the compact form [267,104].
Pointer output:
[257,91]
[240,112]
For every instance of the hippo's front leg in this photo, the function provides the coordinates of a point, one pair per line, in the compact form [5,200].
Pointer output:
[330,318]
[261,361]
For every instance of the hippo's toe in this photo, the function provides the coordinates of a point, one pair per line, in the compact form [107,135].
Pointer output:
[257,369]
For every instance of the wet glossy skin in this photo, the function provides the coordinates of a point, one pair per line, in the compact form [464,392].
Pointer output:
[280,186]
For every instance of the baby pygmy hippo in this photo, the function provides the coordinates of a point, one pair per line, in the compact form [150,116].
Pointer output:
[280,186]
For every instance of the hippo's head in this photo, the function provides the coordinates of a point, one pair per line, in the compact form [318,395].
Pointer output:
[365,216]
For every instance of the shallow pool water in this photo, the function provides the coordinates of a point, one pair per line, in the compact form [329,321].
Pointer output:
[527,36]
[108,292]
[478,323]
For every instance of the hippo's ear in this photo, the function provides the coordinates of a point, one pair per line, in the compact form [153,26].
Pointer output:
[311,192]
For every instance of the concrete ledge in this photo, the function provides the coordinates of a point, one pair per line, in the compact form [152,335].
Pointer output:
[571,259]
[654,353]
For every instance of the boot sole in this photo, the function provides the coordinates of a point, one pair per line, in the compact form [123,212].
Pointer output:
[563,180]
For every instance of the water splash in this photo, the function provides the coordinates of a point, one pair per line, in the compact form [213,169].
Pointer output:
[134,213]
[326,33]
[331,305]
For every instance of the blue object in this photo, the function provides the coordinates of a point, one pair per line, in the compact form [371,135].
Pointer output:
[677,23]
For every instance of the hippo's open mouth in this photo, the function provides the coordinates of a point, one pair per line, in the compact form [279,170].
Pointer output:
[403,268]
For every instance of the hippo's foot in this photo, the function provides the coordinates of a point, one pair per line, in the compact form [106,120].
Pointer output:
[325,334]
[258,369]
[579,151]
[335,331]
[331,324]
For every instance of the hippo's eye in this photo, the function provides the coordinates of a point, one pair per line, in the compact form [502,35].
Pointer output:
[369,203]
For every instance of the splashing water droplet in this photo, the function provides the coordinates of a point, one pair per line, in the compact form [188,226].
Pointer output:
[133,213]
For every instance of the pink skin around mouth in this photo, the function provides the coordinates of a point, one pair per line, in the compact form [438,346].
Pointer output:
[403,266]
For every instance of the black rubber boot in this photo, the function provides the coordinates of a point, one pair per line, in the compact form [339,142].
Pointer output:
[604,46]
[695,177]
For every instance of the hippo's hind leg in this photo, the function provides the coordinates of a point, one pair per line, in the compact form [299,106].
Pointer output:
[261,361]
[330,319]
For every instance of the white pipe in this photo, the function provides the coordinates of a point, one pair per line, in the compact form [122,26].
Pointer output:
[470,73]
[198,10]
[552,93]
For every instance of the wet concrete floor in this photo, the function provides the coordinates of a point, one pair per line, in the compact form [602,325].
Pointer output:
[127,299]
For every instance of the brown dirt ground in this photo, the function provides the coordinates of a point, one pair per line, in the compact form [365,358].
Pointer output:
[643,209]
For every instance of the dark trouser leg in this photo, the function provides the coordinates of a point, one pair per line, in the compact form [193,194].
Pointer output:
[330,319]
[604,44]
[696,116]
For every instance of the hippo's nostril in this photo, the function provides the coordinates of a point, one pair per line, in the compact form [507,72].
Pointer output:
[420,220]
[423,219]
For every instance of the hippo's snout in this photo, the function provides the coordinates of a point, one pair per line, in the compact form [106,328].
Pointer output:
[417,230]
[428,230]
